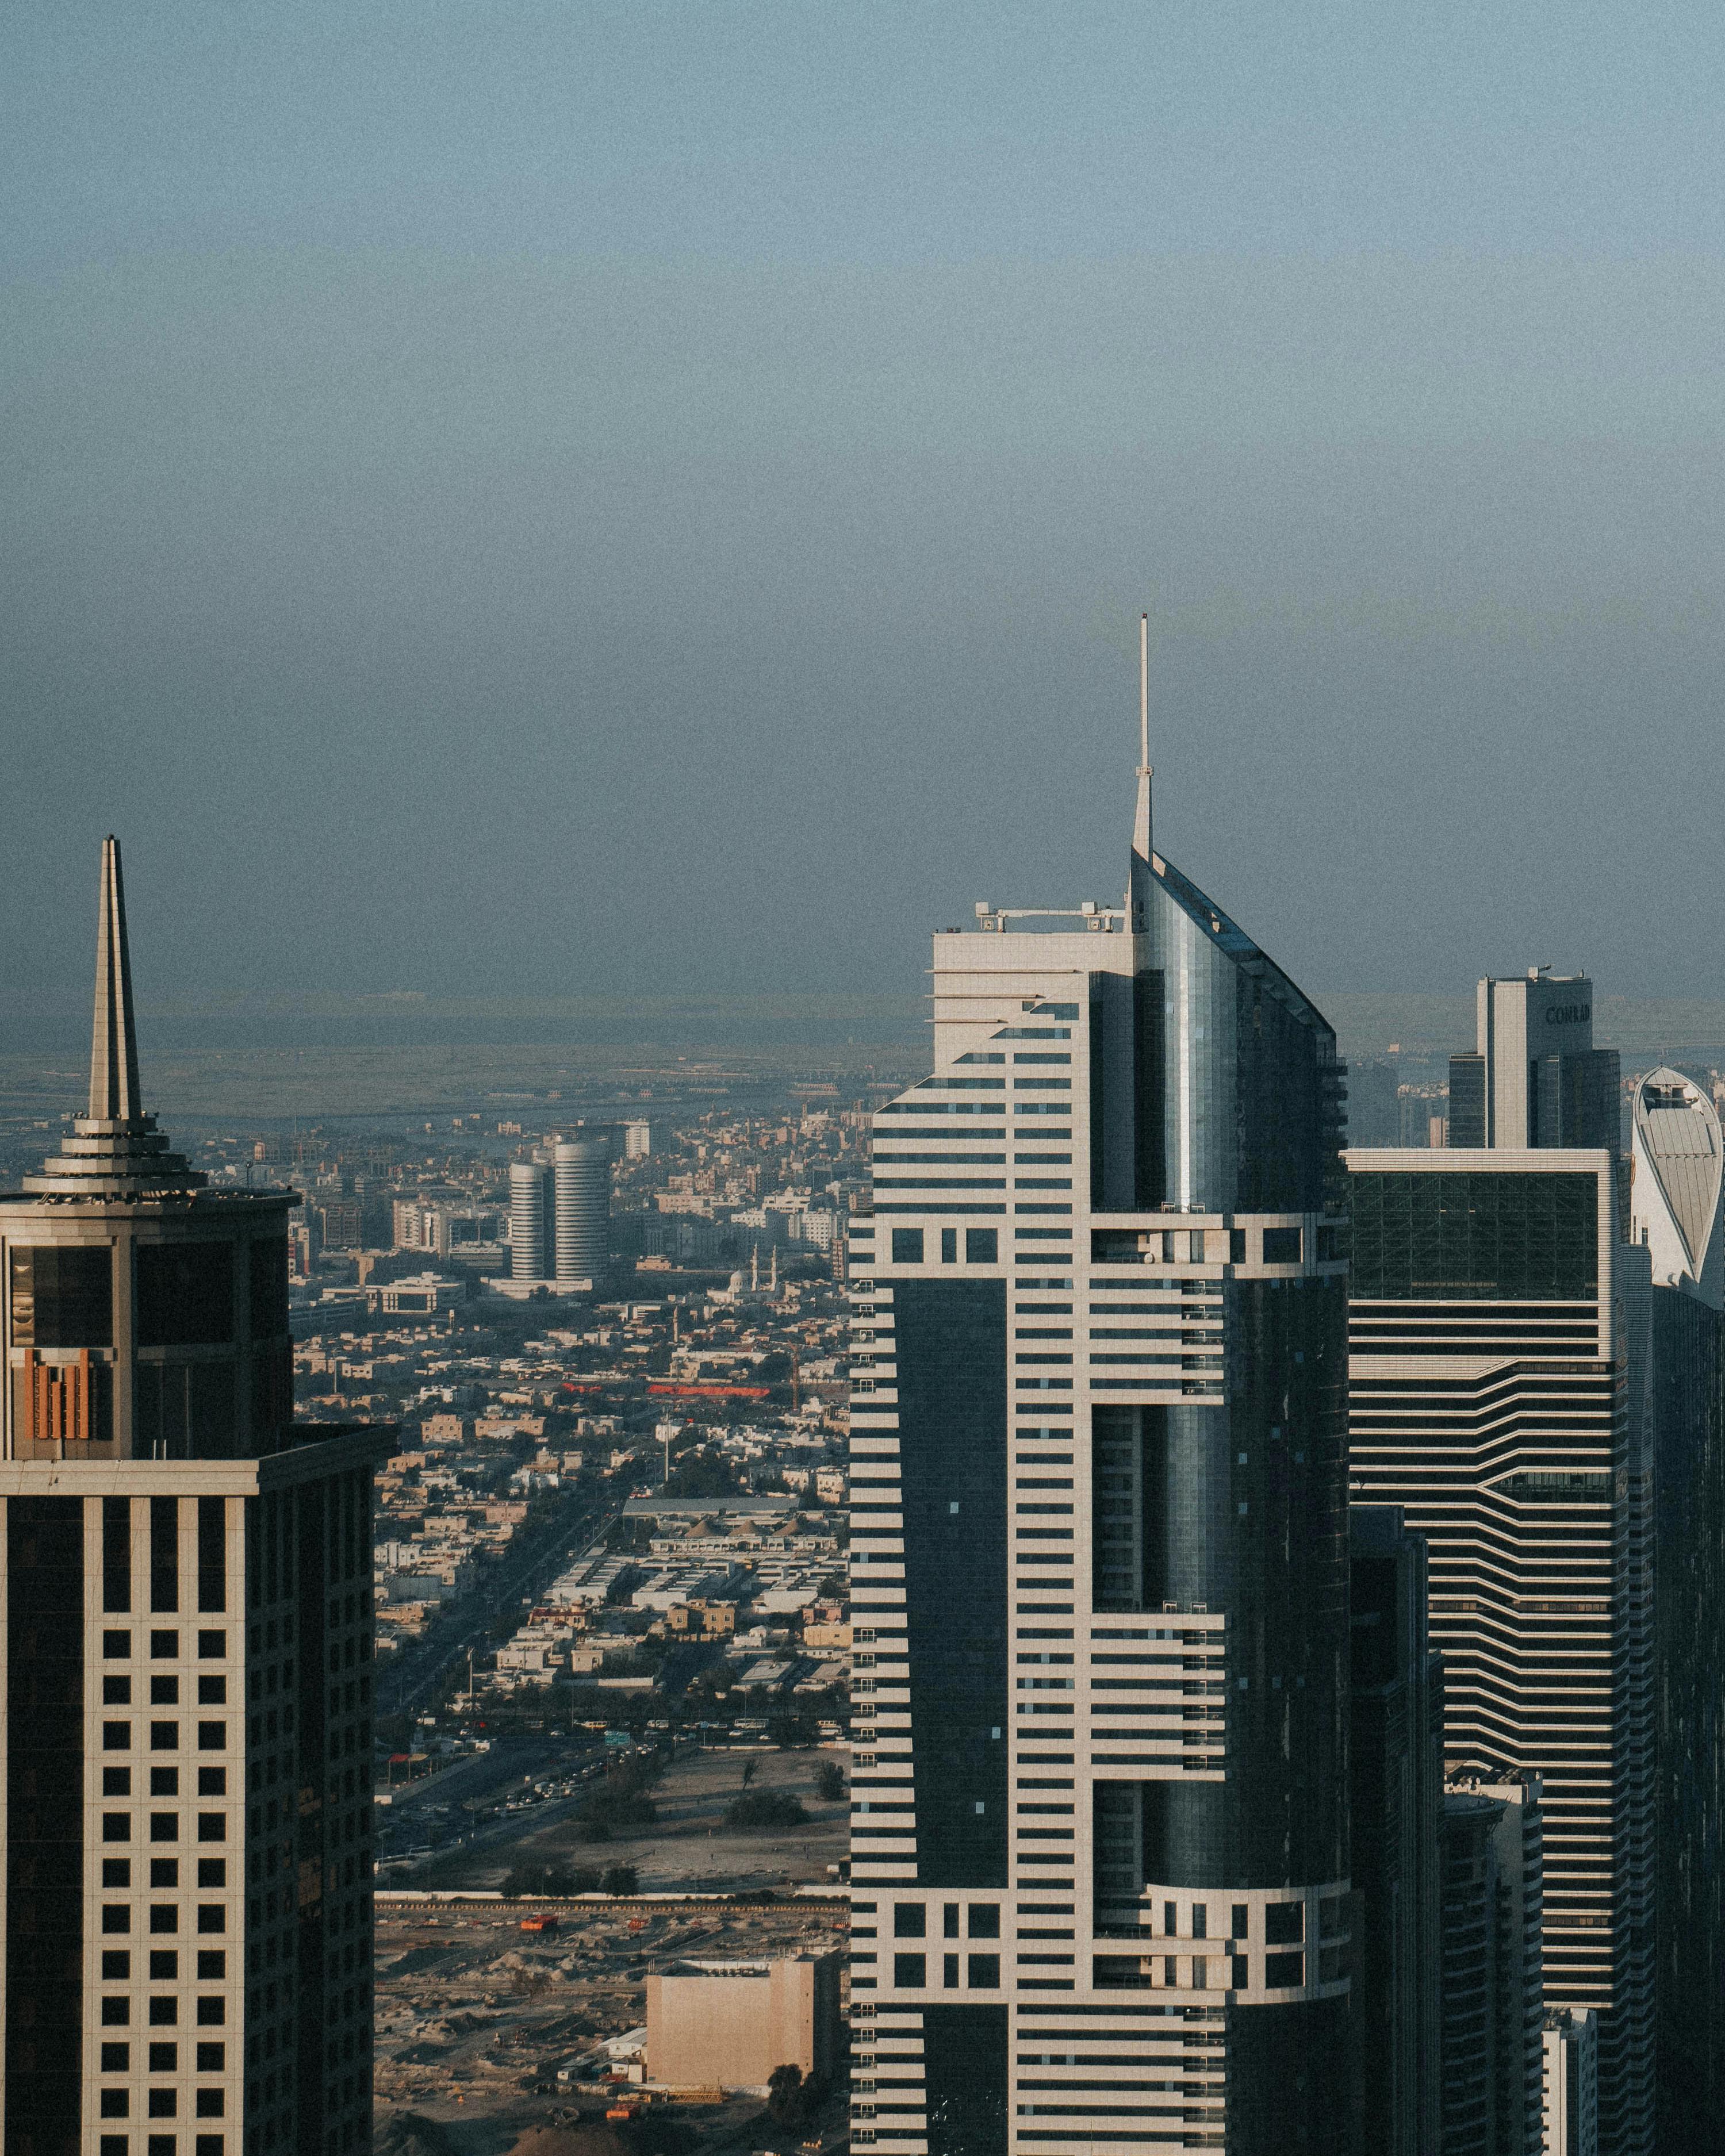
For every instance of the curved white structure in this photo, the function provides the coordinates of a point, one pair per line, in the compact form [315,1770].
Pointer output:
[1674,1203]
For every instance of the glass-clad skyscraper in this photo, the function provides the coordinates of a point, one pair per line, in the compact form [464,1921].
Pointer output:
[1100,1549]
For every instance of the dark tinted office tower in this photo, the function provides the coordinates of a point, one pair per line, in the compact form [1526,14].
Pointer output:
[1396,1776]
[1676,1224]
[1493,1397]
[1100,1853]
[187,1660]
[1492,2101]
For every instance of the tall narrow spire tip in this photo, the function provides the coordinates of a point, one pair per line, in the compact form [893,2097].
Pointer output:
[114,1093]
[1141,819]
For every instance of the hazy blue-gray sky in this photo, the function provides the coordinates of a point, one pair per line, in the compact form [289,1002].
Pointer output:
[543,498]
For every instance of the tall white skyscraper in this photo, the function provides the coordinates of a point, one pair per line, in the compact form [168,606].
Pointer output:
[531,1221]
[581,1173]
[1100,1884]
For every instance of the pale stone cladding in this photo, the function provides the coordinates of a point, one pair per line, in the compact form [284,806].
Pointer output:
[727,2024]
[185,1851]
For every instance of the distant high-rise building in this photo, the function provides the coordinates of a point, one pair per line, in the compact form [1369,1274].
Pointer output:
[529,1220]
[1101,1883]
[1534,1077]
[1374,1104]
[1570,2038]
[1396,1766]
[1493,1397]
[580,1169]
[188,1660]
[1490,1872]
[637,1139]
[1676,1220]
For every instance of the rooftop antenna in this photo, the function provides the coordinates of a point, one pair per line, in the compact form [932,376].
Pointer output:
[1137,894]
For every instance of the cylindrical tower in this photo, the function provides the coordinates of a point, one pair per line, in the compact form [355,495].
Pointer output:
[583,1170]
[529,1220]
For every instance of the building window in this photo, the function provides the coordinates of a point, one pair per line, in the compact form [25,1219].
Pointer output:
[982,1246]
[1521,1238]
[63,1298]
[185,1294]
[1284,1972]
[910,1971]
[910,1920]
[985,1971]
[1285,1923]
[908,1246]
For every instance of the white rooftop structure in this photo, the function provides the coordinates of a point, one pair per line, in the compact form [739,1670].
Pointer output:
[1675,1196]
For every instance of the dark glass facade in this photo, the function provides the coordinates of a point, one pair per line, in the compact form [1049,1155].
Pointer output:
[44,1826]
[952,1358]
[1506,1237]
[1395,1785]
[965,2063]
[63,1296]
[1689,1487]
[185,1294]
[1241,1094]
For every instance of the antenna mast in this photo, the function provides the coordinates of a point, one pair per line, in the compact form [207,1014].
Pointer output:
[1144,694]
[1141,819]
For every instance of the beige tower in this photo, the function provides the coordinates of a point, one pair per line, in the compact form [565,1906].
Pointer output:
[185,1630]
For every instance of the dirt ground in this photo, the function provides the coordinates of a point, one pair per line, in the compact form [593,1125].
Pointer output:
[689,1848]
[474,2017]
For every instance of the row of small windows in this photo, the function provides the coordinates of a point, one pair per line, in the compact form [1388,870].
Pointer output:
[164,1552]
[163,1965]
[910,1971]
[165,1736]
[164,1917]
[982,1246]
[165,1645]
[165,1782]
[163,2103]
[165,2058]
[164,1692]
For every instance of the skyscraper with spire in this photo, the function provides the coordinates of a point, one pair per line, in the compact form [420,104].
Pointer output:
[187,1658]
[1099,1864]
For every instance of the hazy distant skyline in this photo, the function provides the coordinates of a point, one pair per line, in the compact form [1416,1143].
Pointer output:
[547,500]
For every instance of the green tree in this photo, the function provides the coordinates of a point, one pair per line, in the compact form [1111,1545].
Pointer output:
[787,2102]
[620,1880]
[760,1810]
[828,1782]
